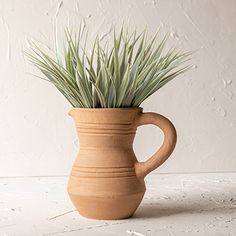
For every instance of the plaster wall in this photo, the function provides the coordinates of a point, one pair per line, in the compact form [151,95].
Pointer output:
[37,137]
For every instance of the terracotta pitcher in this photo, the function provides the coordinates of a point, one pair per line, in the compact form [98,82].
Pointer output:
[107,181]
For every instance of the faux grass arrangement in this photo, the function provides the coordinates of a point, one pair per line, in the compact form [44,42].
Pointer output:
[123,75]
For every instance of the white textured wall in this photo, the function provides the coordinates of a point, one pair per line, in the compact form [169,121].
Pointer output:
[38,138]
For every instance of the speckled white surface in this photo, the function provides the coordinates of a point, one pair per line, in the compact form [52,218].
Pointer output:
[174,205]
[38,138]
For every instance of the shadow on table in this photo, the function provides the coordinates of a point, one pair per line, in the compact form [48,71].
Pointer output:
[169,207]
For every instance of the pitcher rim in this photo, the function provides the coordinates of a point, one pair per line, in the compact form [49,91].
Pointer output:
[113,109]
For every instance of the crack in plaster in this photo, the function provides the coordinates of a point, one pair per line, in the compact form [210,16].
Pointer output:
[8,50]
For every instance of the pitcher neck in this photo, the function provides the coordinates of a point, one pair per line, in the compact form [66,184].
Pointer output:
[109,127]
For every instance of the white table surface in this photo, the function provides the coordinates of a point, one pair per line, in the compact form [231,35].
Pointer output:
[174,205]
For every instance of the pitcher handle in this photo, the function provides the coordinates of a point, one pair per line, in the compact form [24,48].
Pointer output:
[167,147]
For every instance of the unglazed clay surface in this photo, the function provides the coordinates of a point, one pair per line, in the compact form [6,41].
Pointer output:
[107,181]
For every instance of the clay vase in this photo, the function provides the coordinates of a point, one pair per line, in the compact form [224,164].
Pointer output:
[107,181]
